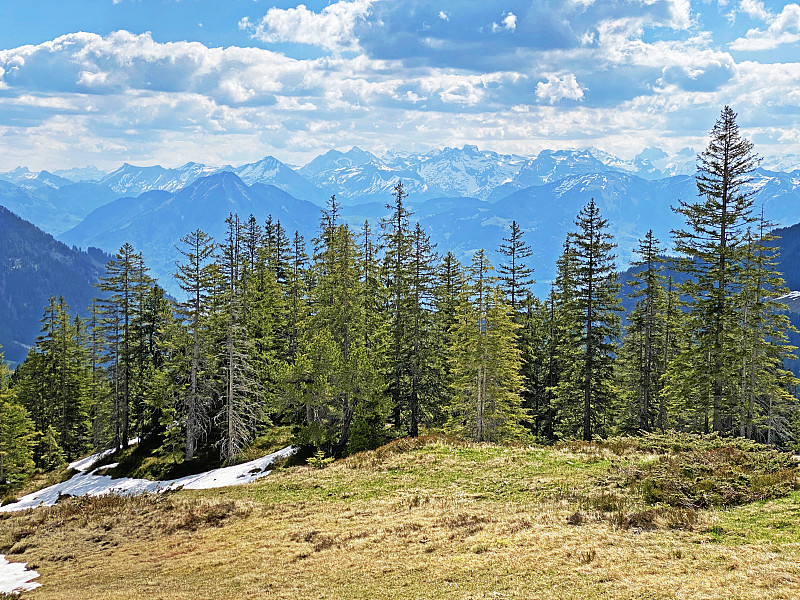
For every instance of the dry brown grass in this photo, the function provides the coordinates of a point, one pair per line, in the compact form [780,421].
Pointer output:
[403,523]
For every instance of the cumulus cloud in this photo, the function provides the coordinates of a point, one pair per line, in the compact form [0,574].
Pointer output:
[756,10]
[559,88]
[783,29]
[332,28]
[397,73]
[509,23]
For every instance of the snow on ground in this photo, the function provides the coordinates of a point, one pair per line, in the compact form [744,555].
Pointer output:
[88,483]
[14,577]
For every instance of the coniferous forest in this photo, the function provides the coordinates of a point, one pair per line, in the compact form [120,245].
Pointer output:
[361,336]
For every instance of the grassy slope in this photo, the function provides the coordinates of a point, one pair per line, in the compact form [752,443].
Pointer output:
[421,519]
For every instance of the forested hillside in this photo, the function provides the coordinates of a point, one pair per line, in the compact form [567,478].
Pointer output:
[33,267]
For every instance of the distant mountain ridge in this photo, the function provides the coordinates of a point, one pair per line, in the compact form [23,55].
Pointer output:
[357,176]
[155,221]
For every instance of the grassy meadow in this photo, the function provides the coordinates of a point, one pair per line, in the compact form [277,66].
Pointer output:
[653,518]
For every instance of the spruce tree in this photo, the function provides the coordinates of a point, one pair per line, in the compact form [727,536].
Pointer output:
[397,242]
[196,278]
[240,412]
[598,305]
[487,405]
[515,275]
[712,249]
[640,365]
[765,403]
[123,285]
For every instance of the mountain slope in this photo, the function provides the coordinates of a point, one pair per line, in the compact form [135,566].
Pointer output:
[155,222]
[34,266]
[54,209]
[271,171]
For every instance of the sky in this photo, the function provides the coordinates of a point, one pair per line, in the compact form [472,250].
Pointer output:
[101,82]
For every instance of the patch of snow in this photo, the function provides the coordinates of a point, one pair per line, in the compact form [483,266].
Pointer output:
[84,464]
[88,484]
[14,577]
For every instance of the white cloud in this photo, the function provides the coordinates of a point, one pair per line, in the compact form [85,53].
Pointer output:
[559,88]
[783,29]
[756,10]
[680,14]
[444,16]
[509,23]
[332,28]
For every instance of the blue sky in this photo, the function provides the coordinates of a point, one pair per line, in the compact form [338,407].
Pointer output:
[167,81]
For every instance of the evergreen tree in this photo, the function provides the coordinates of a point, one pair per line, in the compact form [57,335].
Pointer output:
[537,352]
[515,275]
[765,404]
[397,243]
[17,438]
[712,249]
[564,356]
[486,362]
[240,411]
[640,364]
[124,284]
[598,305]
[333,385]
[425,377]
[296,294]
[448,290]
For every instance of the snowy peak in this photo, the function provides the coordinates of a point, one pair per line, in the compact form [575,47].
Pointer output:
[31,180]
[334,160]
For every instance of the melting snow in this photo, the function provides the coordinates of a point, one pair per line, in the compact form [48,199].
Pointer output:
[89,483]
[14,577]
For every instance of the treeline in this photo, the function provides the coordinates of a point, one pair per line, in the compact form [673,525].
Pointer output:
[365,336]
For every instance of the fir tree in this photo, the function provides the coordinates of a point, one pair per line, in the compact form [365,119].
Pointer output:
[515,275]
[713,248]
[598,304]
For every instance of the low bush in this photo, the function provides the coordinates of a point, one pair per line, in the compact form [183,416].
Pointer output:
[716,476]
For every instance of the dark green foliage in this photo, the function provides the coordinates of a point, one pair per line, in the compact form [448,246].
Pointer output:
[515,275]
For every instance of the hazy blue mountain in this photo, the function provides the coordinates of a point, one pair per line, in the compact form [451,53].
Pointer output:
[33,267]
[631,204]
[77,174]
[54,209]
[155,222]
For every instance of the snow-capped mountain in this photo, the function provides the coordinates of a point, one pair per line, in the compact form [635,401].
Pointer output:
[31,180]
[468,171]
[133,180]
[357,176]
[270,171]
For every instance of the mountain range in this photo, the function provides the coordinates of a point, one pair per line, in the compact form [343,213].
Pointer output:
[465,199]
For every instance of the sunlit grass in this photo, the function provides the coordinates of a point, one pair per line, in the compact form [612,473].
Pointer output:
[416,519]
